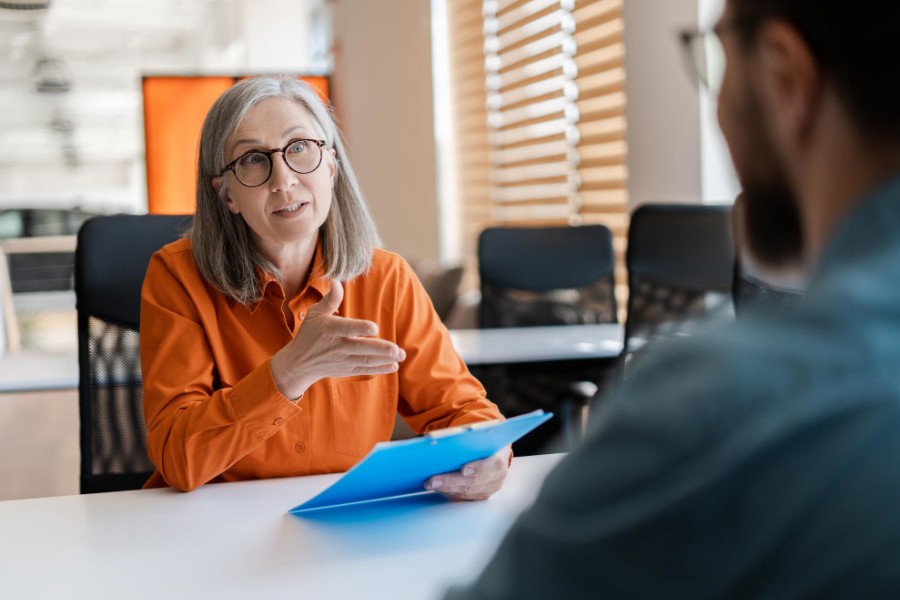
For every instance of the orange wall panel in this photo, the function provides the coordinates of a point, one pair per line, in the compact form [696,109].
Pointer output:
[320,84]
[174,109]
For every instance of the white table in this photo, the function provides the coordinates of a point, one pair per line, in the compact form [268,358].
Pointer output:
[40,371]
[30,370]
[536,344]
[235,540]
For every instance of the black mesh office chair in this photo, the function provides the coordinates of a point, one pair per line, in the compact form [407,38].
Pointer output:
[546,276]
[680,261]
[110,262]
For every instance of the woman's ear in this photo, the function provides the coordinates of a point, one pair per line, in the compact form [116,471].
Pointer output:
[217,185]
[333,165]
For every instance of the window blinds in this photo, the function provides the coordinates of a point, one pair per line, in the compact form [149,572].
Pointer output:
[538,109]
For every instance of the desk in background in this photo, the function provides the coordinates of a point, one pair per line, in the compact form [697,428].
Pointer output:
[515,345]
[235,540]
[506,361]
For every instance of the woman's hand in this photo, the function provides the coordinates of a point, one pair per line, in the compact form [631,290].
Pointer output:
[476,481]
[330,346]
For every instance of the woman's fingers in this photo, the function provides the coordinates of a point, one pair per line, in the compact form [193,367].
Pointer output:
[331,346]
[477,480]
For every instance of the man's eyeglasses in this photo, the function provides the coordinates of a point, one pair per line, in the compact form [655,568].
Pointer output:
[254,168]
[705,55]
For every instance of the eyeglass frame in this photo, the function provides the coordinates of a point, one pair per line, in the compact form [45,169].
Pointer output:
[268,153]
[687,38]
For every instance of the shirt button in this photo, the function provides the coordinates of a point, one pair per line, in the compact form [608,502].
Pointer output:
[299,446]
[278,422]
[301,315]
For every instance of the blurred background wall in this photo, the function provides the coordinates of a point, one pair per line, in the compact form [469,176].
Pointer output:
[71,128]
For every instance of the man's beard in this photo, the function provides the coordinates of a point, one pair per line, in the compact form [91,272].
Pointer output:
[772,230]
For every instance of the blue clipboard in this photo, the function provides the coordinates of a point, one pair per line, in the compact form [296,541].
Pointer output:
[400,468]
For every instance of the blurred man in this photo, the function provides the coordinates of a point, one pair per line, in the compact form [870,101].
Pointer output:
[760,461]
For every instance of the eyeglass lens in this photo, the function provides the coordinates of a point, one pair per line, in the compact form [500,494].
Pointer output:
[254,168]
[709,60]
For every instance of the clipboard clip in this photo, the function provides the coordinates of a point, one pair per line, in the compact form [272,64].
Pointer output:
[442,433]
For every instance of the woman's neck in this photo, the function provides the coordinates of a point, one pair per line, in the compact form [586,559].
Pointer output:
[294,262]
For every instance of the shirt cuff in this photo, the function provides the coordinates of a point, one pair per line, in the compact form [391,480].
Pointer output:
[257,403]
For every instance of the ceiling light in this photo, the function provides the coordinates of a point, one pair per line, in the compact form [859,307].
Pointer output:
[24,8]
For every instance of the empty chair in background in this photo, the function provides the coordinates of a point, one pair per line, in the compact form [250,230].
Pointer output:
[680,261]
[110,261]
[441,283]
[546,276]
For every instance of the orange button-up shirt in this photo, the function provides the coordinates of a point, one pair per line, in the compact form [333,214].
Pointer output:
[213,411]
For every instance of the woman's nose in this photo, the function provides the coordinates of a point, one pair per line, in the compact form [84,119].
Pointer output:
[283,177]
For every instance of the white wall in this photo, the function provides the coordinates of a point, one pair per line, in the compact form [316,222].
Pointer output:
[105,54]
[276,34]
[719,180]
[664,145]
[383,96]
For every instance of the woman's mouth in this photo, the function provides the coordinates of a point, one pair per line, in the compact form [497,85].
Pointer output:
[291,209]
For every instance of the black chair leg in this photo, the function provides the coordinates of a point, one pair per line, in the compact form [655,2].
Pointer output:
[573,421]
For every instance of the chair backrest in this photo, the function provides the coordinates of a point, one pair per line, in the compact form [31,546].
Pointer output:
[111,260]
[441,283]
[680,261]
[546,276]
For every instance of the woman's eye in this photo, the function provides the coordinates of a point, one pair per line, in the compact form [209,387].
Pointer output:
[297,147]
[254,158]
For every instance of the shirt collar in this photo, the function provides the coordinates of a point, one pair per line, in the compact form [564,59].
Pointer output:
[872,226]
[316,279]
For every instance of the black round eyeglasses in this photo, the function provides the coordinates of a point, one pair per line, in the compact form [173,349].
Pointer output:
[254,168]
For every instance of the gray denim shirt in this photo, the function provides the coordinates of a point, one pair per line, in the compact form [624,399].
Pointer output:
[760,460]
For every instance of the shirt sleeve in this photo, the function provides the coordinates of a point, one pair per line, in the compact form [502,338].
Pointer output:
[196,428]
[436,388]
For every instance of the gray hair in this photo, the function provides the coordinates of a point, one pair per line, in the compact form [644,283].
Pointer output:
[223,247]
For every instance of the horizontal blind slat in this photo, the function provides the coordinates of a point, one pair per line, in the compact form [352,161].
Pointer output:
[519,135]
[523,54]
[525,14]
[533,173]
[535,152]
[530,93]
[532,72]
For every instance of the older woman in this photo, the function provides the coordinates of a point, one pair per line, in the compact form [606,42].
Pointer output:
[276,338]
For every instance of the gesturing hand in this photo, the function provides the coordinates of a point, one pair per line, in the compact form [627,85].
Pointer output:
[331,346]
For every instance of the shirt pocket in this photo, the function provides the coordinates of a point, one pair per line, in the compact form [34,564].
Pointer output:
[362,410]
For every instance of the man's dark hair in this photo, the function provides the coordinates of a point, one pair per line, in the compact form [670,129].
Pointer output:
[857,44]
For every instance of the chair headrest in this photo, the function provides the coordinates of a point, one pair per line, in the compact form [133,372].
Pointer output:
[111,260]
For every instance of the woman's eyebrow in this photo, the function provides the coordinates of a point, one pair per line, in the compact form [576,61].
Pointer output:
[251,141]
